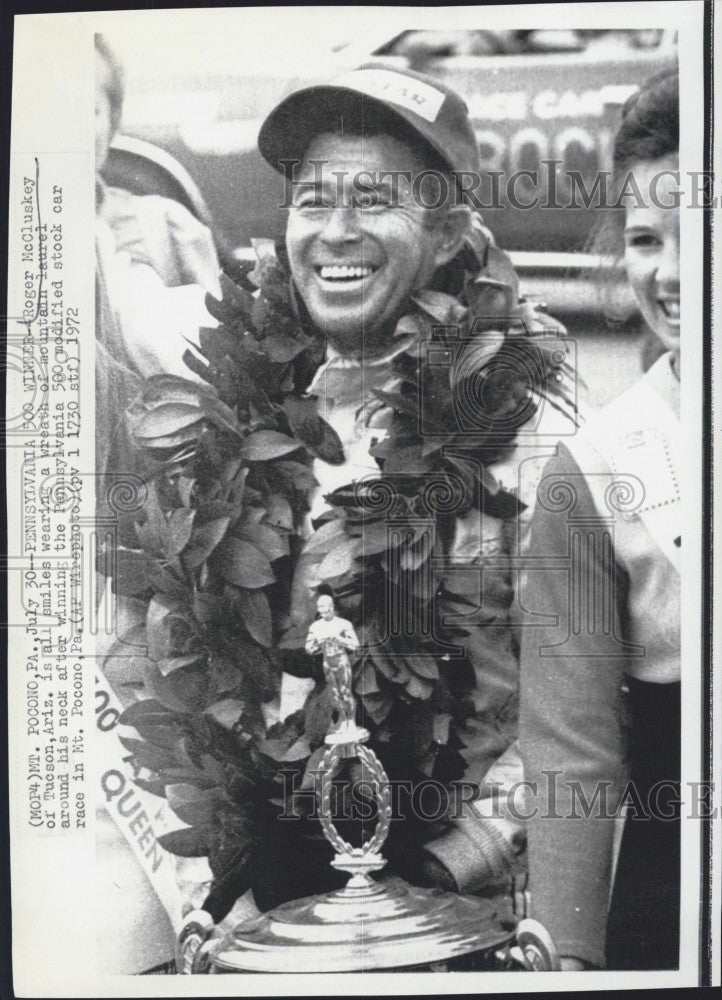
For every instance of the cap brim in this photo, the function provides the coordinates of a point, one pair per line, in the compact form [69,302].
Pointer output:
[288,130]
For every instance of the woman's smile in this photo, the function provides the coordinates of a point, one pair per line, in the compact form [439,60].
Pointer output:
[670,307]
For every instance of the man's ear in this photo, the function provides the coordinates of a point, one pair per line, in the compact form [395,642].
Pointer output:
[453,229]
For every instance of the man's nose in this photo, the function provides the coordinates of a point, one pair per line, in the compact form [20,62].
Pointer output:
[341,225]
[668,265]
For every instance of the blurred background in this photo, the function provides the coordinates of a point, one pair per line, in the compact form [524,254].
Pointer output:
[194,104]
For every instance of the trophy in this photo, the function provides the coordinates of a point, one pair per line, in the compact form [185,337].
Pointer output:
[371,924]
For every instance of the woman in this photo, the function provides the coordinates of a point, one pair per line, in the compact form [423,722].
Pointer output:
[600,714]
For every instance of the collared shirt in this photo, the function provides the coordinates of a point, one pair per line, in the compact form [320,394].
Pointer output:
[344,388]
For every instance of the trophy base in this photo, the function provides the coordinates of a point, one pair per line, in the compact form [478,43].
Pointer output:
[376,925]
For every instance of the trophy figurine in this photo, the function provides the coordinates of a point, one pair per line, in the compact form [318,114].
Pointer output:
[335,638]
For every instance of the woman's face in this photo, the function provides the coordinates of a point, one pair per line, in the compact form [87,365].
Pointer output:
[651,240]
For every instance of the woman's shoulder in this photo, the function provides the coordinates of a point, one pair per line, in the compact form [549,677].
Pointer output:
[647,409]
[626,410]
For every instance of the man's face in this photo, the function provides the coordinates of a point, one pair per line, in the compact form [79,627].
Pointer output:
[355,266]
[325,608]
[103,126]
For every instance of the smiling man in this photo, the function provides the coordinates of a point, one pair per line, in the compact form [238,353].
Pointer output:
[378,163]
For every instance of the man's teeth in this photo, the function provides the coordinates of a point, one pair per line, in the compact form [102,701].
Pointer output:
[338,272]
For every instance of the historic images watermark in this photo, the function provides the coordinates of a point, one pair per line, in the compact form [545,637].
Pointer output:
[552,187]
[556,799]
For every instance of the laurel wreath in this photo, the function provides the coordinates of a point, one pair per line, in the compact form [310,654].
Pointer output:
[230,470]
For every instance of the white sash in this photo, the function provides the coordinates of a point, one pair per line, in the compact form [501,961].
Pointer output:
[139,816]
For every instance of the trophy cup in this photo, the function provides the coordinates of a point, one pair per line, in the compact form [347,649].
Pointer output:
[370,924]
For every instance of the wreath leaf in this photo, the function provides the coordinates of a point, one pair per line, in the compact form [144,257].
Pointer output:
[241,563]
[265,445]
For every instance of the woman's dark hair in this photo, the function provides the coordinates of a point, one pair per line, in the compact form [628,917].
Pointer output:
[115,87]
[650,123]
[649,130]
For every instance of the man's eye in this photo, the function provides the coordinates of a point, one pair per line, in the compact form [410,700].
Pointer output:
[311,202]
[309,197]
[374,202]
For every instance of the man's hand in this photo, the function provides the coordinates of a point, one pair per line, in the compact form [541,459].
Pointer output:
[436,874]
[571,964]
[422,868]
